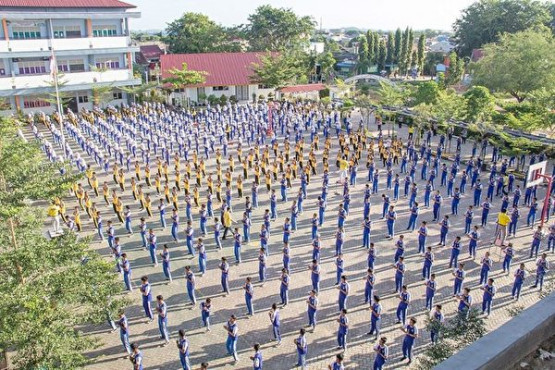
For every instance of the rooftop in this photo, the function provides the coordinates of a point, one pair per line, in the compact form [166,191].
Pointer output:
[224,69]
[65,4]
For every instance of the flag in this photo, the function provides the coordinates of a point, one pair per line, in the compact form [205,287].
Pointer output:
[53,66]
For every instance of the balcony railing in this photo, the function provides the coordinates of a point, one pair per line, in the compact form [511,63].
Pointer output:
[77,43]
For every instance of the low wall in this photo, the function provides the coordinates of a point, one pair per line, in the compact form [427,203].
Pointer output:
[511,342]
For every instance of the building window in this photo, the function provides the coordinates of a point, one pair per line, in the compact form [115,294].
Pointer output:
[105,30]
[220,88]
[32,32]
[31,67]
[35,102]
[61,32]
[264,87]
[118,95]
[107,63]
[83,99]
[2,68]
[71,65]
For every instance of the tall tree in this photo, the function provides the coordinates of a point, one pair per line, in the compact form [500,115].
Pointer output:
[196,33]
[456,69]
[382,55]
[413,59]
[410,48]
[390,48]
[518,64]
[280,70]
[420,55]
[48,287]
[376,43]
[363,62]
[404,52]
[398,43]
[370,41]
[485,20]
[273,29]
[480,104]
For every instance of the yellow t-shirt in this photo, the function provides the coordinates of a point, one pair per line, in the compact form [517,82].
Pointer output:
[503,219]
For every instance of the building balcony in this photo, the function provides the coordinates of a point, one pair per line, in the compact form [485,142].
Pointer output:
[15,46]
[35,84]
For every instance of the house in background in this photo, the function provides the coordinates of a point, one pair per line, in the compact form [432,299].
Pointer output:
[148,57]
[228,74]
[91,43]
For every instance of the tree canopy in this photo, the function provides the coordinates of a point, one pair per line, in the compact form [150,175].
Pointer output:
[484,21]
[518,64]
[274,29]
[196,33]
[280,70]
[184,76]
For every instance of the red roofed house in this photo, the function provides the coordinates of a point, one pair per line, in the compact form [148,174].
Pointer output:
[228,74]
[86,43]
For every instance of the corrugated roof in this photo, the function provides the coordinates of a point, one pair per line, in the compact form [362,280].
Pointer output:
[151,51]
[64,4]
[224,69]
[302,88]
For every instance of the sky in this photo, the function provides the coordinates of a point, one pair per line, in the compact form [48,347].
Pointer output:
[373,14]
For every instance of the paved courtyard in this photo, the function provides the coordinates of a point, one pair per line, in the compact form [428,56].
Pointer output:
[210,347]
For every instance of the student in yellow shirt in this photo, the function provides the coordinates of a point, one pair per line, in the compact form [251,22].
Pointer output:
[219,191]
[268,181]
[240,186]
[80,194]
[196,196]
[88,204]
[175,198]
[231,164]
[228,179]
[210,183]
[137,171]
[148,205]
[121,179]
[105,192]
[119,210]
[186,186]
[157,183]
[178,180]
[245,167]
[77,218]
[166,170]
[94,183]
[147,176]
[166,192]
[88,174]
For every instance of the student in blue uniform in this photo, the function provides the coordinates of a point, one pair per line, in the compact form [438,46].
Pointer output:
[520,275]
[400,251]
[541,269]
[261,266]
[369,285]
[147,297]
[190,278]
[124,332]
[371,259]
[237,240]
[468,216]
[411,333]
[366,232]
[232,336]
[455,251]
[402,308]
[487,299]
[344,289]
[473,243]
[205,311]
[126,268]
[302,349]
[315,275]
[136,357]
[339,266]
[487,264]
[382,354]
[183,347]
[465,302]
[224,267]
[413,216]
[249,294]
[343,330]
[337,364]
[312,303]
[437,319]
[276,323]
[162,311]
[438,200]
[445,224]
[536,242]
[459,275]
[166,263]
[391,217]
[375,317]
[431,288]
[284,287]
[257,361]
[399,273]
[428,263]
[422,236]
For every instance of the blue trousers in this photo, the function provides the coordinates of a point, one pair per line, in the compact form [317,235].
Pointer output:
[407,348]
[402,313]
[163,328]
[312,318]
[231,346]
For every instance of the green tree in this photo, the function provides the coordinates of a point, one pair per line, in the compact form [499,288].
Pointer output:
[456,69]
[398,43]
[404,52]
[390,48]
[184,76]
[518,64]
[480,104]
[273,29]
[413,59]
[101,94]
[48,287]
[426,93]
[485,21]
[279,70]
[376,44]
[327,62]
[370,40]
[420,53]
[196,33]
[363,62]
[382,55]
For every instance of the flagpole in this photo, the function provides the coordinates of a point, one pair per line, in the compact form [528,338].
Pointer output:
[54,72]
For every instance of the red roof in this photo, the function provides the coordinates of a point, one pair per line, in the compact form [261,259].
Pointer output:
[150,51]
[224,69]
[65,4]
[302,88]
